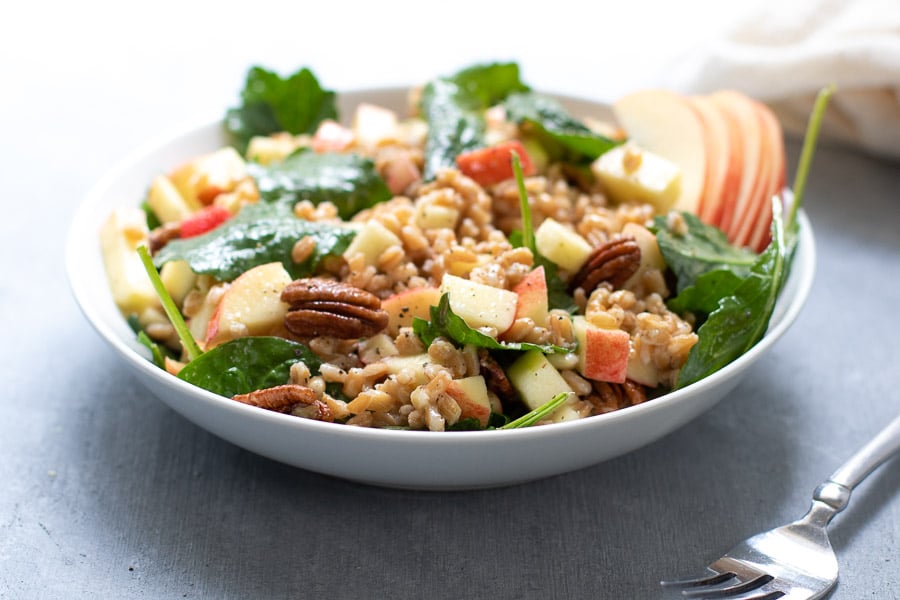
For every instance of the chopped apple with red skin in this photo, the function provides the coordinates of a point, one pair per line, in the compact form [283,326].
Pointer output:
[532,292]
[651,257]
[536,380]
[251,306]
[480,305]
[602,353]
[471,395]
[666,124]
[562,245]
[404,306]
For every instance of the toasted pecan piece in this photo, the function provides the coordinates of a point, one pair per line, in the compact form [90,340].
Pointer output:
[608,397]
[284,398]
[615,261]
[322,307]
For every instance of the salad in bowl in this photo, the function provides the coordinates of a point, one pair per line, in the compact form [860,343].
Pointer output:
[483,259]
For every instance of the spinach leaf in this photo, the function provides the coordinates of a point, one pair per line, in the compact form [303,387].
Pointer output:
[454,106]
[561,134]
[157,350]
[259,234]
[349,181]
[741,318]
[246,364]
[703,248]
[445,323]
[270,103]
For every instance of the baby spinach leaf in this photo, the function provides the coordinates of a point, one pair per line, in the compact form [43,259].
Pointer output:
[454,109]
[259,234]
[246,364]
[349,181]
[445,323]
[560,133]
[270,103]
[701,249]
[741,318]
[539,413]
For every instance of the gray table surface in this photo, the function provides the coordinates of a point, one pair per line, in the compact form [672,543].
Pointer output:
[106,493]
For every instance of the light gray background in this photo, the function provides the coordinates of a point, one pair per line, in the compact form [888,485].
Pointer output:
[105,493]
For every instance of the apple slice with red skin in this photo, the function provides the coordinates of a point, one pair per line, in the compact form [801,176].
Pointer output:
[723,176]
[746,128]
[761,233]
[666,124]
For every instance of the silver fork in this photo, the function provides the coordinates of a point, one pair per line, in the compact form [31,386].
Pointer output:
[796,561]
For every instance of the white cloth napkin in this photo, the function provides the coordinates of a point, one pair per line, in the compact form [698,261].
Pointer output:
[785,51]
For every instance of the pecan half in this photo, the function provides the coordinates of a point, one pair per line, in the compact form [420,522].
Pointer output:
[615,261]
[495,378]
[284,398]
[608,397]
[331,308]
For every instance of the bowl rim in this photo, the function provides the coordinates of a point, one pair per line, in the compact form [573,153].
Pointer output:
[800,279]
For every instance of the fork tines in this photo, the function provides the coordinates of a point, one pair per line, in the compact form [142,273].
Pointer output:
[710,587]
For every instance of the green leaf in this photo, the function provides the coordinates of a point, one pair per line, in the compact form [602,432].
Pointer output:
[560,133]
[246,364]
[445,323]
[701,249]
[270,103]
[741,318]
[259,234]
[349,181]
[454,109]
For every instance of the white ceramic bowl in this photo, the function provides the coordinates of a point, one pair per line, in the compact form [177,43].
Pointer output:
[406,459]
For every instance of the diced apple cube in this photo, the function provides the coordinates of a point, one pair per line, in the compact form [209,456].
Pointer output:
[373,125]
[266,150]
[250,306]
[166,202]
[409,366]
[200,180]
[533,302]
[471,395]
[178,279]
[480,305]
[120,235]
[536,380]
[562,245]
[629,173]
[602,353]
[404,306]
[372,240]
[651,257]
[436,216]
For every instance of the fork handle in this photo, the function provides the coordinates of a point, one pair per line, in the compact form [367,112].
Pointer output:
[867,459]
